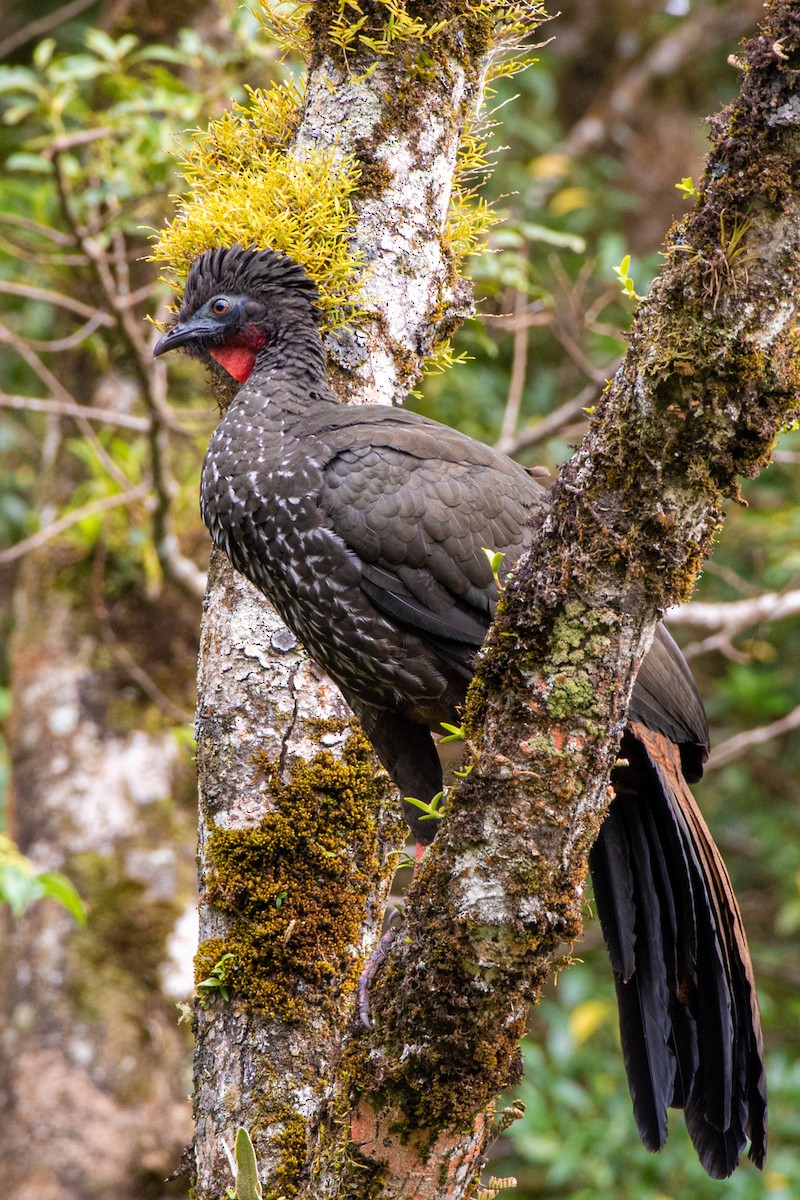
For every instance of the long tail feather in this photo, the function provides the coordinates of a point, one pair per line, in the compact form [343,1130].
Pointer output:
[689,1018]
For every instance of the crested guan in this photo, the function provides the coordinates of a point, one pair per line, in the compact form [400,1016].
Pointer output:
[365,527]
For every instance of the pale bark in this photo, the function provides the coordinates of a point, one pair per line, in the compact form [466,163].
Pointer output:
[260,702]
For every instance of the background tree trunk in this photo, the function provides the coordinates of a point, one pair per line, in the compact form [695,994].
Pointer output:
[94,1080]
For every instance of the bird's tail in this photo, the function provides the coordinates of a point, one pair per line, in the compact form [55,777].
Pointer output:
[688,1012]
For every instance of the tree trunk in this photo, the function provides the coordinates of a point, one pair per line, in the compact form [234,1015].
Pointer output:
[93,1085]
[405,1110]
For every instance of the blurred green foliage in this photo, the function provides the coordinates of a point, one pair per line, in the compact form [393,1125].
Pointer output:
[549,301]
[21,884]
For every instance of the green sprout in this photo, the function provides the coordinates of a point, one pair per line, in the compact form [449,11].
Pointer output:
[495,560]
[432,810]
[216,983]
[686,186]
[622,274]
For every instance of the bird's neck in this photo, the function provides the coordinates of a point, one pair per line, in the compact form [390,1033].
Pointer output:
[292,361]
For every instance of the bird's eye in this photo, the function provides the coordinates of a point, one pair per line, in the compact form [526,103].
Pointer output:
[220,306]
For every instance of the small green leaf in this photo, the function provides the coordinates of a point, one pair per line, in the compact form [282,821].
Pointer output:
[432,810]
[455,733]
[686,186]
[625,279]
[21,883]
[59,888]
[248,1186]
[215,983]
[43,53]
[19,887]
[495,560]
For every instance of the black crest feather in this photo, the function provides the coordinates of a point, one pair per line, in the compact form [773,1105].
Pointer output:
[245,270]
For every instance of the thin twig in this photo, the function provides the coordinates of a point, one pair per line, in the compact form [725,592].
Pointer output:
[110,271]
[63,408]
[83,137]
[45,535]
[58,345]
[744,587]
[45,231]
[738,745]
[58,299]
[121,653]
[57,388]
[36,29]
[555,421]
[518,371]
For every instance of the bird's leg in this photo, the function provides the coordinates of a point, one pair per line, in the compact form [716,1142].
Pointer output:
[381,950]
[371,967]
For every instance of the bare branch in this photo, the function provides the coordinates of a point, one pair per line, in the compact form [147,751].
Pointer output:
[111,272]
[83,137]
[28,292]
[45,535]
[66,408]
[45,231]
[51,381]
[734,615]
[57,345]
[36,29]
[122,655]
[555,421]
[518,371]
[738,745]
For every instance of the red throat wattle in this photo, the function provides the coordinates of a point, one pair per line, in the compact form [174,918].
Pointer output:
[238,355]
[237,360]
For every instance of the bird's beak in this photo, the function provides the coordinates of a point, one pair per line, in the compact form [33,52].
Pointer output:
[186,333]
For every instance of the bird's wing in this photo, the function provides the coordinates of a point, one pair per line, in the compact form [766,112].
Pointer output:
[417,503]
[688,1011]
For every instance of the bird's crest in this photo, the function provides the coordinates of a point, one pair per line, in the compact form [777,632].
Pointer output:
[244,270]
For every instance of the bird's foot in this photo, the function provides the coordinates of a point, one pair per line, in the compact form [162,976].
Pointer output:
[371,968]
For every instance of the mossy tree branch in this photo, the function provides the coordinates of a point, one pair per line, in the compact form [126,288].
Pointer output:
[711,377]
[709,380]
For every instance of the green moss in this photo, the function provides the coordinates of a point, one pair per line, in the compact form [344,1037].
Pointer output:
[291,1144]
[570,694]
[294,889]
[247,186]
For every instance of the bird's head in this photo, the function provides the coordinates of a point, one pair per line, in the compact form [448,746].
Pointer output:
[234,302]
